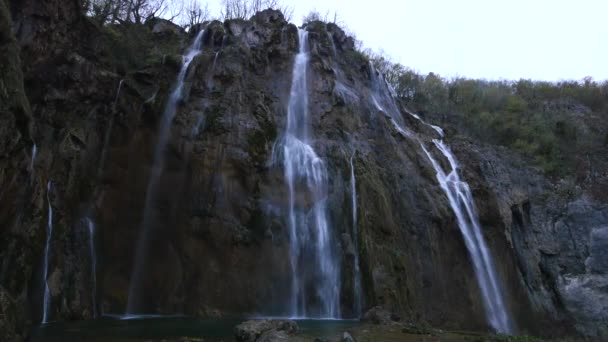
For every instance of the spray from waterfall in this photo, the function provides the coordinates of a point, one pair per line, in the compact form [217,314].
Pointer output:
[93,257]
[134,299]
[461,201]
[314,264]
[46,304]
[355,236]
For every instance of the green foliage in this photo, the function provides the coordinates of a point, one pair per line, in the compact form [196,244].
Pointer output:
[542,120]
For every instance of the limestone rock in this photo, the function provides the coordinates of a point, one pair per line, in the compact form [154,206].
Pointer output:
[265,330]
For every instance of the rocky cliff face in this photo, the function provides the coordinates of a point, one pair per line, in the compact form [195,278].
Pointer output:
[219,242]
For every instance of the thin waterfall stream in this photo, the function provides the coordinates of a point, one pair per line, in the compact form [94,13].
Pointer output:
[46,304]
[32,162]
[355,236]
[134,304]
[462,203]
[93,256]
[314,264]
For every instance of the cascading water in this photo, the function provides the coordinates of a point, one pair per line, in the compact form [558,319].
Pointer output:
[313,262]
[461,201]
[382,98]
[46,304]
[194,50]
[355,233]
[215,60]
[106,139]
[32,162]
[93,256]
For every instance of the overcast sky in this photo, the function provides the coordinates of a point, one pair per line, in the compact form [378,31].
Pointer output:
[509,39]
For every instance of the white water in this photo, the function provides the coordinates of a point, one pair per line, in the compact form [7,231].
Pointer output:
[314,264]
[32,162]
[117,94]
[141,252]
[437,129]
[383,100]
[355,234]
[93,256]
[461,201]
[215,60]
[463,205]
[46,304]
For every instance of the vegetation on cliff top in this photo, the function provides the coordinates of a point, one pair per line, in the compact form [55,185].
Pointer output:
[555,123]
[551,122]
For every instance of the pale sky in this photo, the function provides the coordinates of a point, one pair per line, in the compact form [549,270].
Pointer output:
[509,39]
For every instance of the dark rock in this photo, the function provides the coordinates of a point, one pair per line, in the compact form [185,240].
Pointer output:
[265,330]
[419,329]
[347,337]
[598,251]
[377,315]
[164,27]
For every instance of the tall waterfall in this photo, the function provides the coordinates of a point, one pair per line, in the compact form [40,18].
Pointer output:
[93,256]
[355,233]
[314,265]
[141,252]
[461,201]
[46,304]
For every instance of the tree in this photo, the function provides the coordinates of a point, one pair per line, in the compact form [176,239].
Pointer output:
[132,11]
[244,9]
[195,14]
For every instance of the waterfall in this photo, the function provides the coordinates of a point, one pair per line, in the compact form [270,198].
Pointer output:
[117,95]
[382,99]
[461,201]
[32,162]
[215,60]
[163,138]
[355,234]
[437,129]
[93,256]
[314,264]
[333,45]
[46,304]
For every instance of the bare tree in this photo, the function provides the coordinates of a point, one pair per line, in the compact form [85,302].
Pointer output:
[244,9]
[133,11]
[195,14]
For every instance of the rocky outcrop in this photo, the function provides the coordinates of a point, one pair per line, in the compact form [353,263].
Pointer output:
[555,233]
[16,242]
[265,330]
[219,242]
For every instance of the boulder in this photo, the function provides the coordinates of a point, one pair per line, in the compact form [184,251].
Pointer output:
[347,337]
[378,315]
[598,251]
[265,330]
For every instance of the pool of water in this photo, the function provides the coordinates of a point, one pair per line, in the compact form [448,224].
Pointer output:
[134,328]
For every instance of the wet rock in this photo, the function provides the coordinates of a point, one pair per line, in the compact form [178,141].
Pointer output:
[598,251]
[265,330]
[164,27]
[377,315]
[419,329]
[586,297]
[347,337]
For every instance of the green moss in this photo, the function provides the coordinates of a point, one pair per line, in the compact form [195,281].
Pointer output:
[356,58]
[213,123]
